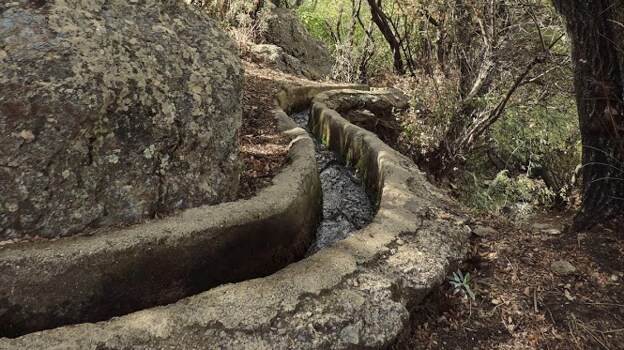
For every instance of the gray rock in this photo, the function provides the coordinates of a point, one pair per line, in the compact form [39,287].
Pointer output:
[562,268]
[113,112]
[381,102]
[351,333]
[283,28]
[552,232]
[483,231]
[275,57]
[540,226]
[462,220]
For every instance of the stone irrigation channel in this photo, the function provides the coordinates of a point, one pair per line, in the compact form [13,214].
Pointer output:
[355,293]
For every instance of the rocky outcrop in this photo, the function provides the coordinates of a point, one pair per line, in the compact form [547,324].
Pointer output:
[282,28]
[113,112]
[275,57]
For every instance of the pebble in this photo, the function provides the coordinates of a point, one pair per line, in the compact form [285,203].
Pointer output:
[462,220]
[552,232]
[562,268]
[539,226]
[483,231]
[614,278]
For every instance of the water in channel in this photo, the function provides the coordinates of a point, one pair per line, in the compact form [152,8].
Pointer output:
[346,207]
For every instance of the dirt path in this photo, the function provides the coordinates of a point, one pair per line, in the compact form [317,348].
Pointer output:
[521,303]
[263,150]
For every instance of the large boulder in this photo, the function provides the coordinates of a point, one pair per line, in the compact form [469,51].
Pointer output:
[282,27]
[112,112]
[275,57]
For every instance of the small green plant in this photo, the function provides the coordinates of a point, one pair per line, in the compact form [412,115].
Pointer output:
[461,284]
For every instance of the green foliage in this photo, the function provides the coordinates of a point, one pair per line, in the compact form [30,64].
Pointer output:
[461,284]
[503,192]
[534,135]
[433,102]
[334,23]
[314,20]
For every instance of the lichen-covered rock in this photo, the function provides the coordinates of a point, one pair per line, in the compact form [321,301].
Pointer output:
[275,57]
[112,112]
[283,28]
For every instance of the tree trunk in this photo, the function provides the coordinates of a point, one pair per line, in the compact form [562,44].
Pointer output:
[381,20]
[596,34]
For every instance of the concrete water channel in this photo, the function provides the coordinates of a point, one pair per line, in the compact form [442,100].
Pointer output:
[231,276]
[346,205]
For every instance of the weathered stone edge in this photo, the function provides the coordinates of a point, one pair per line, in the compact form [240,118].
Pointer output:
[355,294]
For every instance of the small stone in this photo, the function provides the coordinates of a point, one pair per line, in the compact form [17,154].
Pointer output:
[11,207]
[27,135]
[483,231]
[400,242]
[496,301]
[444,216]
[539,226]
[462,220]
[351,333]
[562,268]
[552,232]
[614,278]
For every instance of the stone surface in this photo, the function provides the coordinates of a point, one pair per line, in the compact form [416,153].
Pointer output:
[483,231]
[562,268]
[552,231]
[277,58]
[538,226]
[282,27]
[381,102]
[113,112]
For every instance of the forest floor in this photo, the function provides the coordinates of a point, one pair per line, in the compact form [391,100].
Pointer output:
[521,303]
[263,149]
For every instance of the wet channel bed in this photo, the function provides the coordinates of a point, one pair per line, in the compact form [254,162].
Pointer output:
[346,206]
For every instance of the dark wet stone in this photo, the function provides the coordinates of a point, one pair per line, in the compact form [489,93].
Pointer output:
[346,206]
